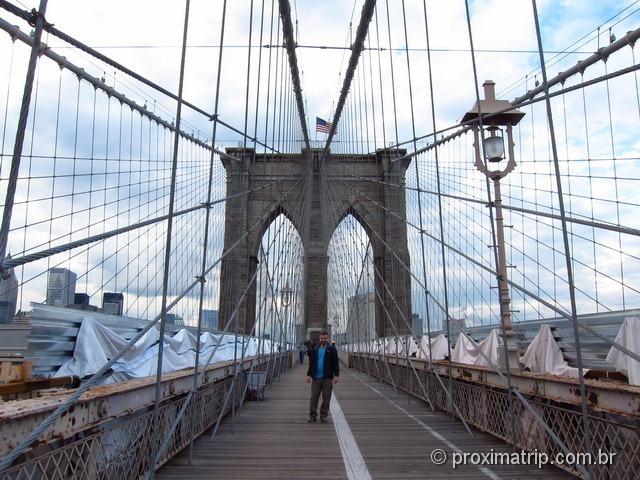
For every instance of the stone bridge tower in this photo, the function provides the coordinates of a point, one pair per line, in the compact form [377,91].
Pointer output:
[369,195]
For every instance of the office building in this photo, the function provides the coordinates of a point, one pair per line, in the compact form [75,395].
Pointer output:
[112,303]
[416,325]
[361,318]
[209,319]
[81,300]
[173,319]
[8,296]
[61,287]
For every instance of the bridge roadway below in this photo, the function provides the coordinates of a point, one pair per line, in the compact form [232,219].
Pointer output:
[373,432]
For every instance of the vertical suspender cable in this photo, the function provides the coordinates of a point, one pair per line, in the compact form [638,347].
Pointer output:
[257,107]
[491,221]
[565,237]
[167,255]
[246,97]
[207,221]
[290,45]
[356,50]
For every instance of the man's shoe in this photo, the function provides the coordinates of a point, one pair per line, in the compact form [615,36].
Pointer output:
[324,420]
[311,420]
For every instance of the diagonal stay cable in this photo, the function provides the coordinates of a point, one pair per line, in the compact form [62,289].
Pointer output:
[496,369]
[229,322]
[8,459]
[447,392]
[517,286]
[17,261]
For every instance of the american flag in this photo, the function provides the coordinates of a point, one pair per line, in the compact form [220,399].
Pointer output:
[323,126]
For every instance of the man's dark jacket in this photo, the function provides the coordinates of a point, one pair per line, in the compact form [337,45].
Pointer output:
[331,367]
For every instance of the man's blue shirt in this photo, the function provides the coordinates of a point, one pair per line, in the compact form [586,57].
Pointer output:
[320,365]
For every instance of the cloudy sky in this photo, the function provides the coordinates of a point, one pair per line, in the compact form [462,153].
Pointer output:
[146,37]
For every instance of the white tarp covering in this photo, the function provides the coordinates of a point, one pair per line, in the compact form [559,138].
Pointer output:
[544,356]
[628,337]
[470,352]
[439,348]
[390,346]
[97,344]
[413,347]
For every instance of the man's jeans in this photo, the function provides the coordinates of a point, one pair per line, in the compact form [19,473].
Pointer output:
[324,385]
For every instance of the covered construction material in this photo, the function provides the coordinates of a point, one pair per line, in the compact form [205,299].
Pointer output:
[439,347]
[96,344]
[483,354]
[628,337]
[544,356]
[412,347]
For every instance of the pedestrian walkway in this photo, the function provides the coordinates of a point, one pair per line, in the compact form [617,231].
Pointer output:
[373,432]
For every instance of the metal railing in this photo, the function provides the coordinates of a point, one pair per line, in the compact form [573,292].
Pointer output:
[120,448]
[487,408]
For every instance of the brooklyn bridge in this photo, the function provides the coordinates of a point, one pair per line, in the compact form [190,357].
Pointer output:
[193,192]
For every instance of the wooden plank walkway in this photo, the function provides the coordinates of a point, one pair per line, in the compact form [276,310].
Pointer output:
[393,434]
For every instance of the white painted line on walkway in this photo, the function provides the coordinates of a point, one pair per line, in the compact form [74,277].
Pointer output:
[351,456]
[489,473]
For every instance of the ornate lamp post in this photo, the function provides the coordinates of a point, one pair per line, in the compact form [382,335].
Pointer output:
[495,114]
[286,294]
[334,325]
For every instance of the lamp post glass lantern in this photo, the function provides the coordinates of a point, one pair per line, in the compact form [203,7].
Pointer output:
[493,145]
[285,296]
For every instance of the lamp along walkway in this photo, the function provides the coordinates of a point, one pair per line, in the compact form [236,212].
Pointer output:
[373,433]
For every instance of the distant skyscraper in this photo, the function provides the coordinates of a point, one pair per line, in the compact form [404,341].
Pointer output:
[81,302]
[7,310]
[416,325]
[173,319]
[81,299]
[361,320]
[8,297]
[61,287]
[456,325]
[210,319]
[112,303]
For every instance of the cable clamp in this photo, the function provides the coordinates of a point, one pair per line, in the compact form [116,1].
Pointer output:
[33,18]
[200,279]
[206,205]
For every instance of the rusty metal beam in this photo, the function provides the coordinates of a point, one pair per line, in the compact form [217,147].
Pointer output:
[99,405]
[602,396]
[33,384]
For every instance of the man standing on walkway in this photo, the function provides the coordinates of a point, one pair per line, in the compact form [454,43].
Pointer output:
[322,374]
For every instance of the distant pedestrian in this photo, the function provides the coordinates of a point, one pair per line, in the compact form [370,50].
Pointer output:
[301,352]
[322,374]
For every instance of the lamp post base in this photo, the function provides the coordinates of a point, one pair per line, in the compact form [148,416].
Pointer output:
[512,353]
